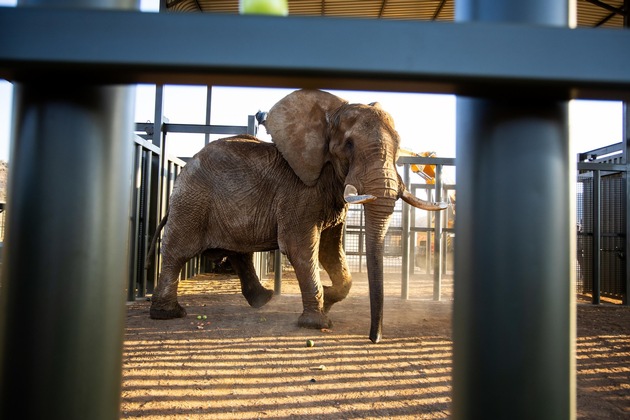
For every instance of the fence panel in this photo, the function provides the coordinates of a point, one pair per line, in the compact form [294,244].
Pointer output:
[601,235]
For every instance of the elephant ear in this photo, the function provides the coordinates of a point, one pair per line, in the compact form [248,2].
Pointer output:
[298,125]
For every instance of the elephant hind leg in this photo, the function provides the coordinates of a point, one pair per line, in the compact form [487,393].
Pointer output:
[164,303]
[256,295]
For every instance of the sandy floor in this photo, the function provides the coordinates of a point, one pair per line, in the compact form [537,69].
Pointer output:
[244,363]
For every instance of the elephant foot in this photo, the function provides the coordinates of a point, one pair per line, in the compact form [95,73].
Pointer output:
[160,313]
[260,298]
[315,320]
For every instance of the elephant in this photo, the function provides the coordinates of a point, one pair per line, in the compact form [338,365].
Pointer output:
[240,195]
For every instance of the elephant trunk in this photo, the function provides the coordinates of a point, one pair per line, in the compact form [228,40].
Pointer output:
[377,216]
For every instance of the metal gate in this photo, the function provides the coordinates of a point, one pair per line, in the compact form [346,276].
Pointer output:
[601,263]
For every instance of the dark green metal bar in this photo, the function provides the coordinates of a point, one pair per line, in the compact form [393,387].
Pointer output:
[75,220]
[146,216]
[597,237]
[277,273]
[135,242]
[65,265]
[626,141]
[483,58]
[208,112]
[405,222]
[437,247]
[513,316]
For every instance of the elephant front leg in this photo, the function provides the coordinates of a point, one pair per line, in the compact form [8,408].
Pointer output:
[333,259]
[303,256]
[164,303]
[255,293]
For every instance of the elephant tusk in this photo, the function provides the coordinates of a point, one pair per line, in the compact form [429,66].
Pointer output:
[422,204]
[352,196]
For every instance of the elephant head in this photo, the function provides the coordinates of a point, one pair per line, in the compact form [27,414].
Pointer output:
[312,128]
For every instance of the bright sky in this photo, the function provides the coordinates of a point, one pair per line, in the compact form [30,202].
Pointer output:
[424,122]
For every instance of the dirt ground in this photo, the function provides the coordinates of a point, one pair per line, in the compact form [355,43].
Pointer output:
[245,363]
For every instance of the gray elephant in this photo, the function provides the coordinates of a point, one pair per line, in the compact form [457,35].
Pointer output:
[239,195]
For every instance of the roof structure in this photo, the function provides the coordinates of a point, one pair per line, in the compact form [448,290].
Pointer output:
[590,13]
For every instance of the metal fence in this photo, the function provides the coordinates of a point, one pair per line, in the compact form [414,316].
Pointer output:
[411,246]
[602,266]
[155,175]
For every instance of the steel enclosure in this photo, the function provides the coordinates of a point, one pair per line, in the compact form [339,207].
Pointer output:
[482,59]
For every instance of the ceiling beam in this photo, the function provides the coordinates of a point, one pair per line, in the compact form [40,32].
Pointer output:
[608,7]
[438,10]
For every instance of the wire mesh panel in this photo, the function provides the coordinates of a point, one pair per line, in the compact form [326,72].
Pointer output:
[613,208]
[584,266]
[611,228]
[354,240]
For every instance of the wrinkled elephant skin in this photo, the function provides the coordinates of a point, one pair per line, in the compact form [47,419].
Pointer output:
[239,195]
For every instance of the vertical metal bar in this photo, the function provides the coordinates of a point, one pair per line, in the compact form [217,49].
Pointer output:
[626,139]
[67,235]
[149,198]
[413,237]
[597,237]
[405,237]
[277,274]
[437,255]
[159,140]
[361,238]
[514,312]
[252,125]
[134,242]
[429,236]
[208,112]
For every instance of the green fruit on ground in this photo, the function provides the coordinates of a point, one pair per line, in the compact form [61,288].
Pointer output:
[310,343]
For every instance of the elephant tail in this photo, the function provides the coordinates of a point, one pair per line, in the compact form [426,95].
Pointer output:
[156,235]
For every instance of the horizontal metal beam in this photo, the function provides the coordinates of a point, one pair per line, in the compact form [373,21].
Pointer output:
[457,58]
[423,160]
[606,150]
[204,129]
[593,166]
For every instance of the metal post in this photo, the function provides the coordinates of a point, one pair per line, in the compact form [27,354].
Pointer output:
[66,257]
[429,237]
[135,243]
[626,140]
[208,112]
[158,140]
[252,125]
[277,273]
[437,254]
[405,238]
[513,317]
[148,199]
[597,237]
